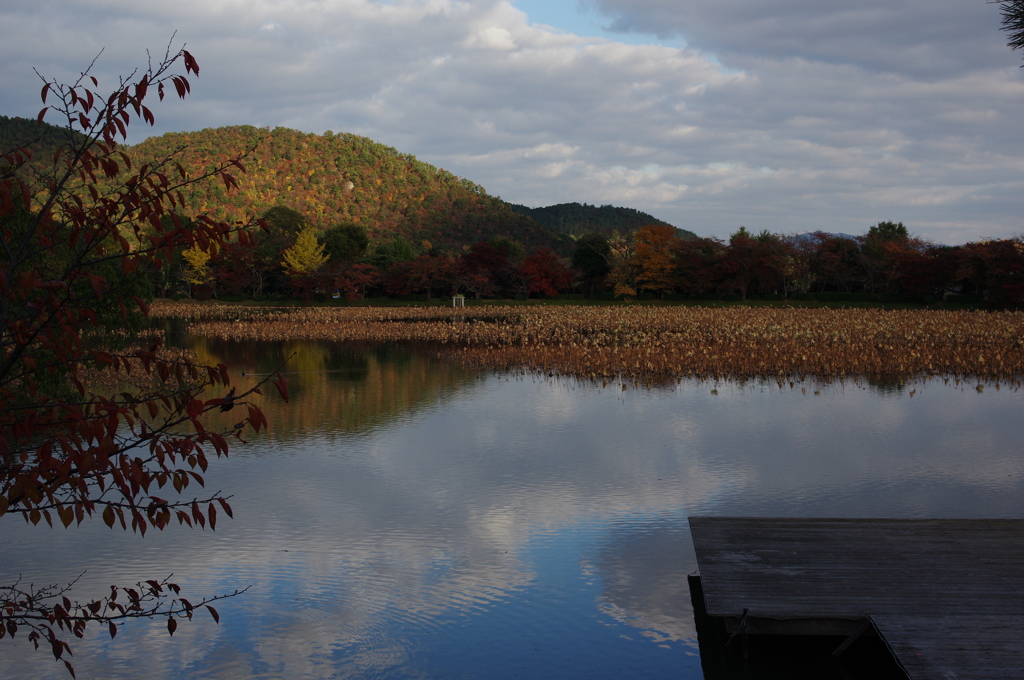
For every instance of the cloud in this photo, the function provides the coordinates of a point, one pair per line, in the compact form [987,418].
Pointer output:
[909,36]
[791,116]
[493,38]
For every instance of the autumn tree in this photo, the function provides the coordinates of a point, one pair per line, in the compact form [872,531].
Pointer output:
[196,267]
[302,262]
[77,231]
[354,280]
[697,265]
[738,262]
[655,246]
[836,262]
[305,256]
[545,273]
[427,274]
[237,270]
[994,269]
[486,269]
[625,269]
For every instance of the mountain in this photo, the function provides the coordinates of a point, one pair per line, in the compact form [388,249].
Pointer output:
[576,219]
[344,178]
[333,179]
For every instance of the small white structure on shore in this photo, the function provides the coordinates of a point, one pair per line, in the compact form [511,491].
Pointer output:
[458,301]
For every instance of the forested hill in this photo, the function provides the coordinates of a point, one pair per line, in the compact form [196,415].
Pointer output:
[41,140]
[334,179]
[339,178]
[576,219]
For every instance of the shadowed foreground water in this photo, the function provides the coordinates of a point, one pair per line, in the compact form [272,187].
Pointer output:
[410,519]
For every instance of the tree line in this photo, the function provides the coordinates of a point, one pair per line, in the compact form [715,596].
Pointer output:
[289,257]
[886,263]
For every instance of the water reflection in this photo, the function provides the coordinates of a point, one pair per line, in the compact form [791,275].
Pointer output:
[643,584]
[406,518]
[339,388]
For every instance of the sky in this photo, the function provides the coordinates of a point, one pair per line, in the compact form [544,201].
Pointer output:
[785,115]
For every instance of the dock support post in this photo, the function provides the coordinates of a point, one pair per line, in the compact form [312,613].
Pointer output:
[850,640]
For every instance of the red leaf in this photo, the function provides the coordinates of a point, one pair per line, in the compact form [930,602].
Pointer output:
[181,85]
[254,418]
[46,91]
[39,118]
[172,625]
[142,305]
[26,196]
[112,628]
[282,386]
[213,613]
[190,63]
[98,284]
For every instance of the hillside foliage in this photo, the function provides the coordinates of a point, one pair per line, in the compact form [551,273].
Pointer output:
[333,179]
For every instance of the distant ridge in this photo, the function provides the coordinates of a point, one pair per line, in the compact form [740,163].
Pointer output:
[810,236]
[576,219]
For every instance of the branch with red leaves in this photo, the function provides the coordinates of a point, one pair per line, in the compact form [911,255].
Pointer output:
[77,233]
[40,610]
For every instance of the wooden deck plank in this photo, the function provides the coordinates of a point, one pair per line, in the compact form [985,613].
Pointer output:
[948,595]
[979,648]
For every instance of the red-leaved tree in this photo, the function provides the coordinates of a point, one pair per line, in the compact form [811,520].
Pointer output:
[545,273]
[78,229]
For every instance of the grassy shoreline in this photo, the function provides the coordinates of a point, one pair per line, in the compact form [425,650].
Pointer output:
[469,302]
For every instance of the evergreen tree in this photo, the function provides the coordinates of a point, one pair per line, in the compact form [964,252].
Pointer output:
[346,241]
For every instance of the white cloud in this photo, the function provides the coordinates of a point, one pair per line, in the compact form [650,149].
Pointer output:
[493,38]
[790,116]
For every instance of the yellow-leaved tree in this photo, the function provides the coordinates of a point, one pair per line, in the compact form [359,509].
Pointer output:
[197,265]
[306,256]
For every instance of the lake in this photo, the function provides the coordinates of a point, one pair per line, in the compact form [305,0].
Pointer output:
[408,518]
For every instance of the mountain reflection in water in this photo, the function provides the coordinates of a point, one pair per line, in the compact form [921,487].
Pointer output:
[406,518]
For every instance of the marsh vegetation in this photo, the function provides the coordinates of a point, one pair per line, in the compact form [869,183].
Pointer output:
[660,343]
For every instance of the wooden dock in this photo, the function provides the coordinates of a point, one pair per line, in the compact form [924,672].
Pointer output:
[947,596]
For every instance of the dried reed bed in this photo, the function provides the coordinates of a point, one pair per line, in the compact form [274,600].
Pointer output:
[657,343]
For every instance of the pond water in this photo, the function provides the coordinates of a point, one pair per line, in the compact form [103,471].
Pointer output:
[407,518]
